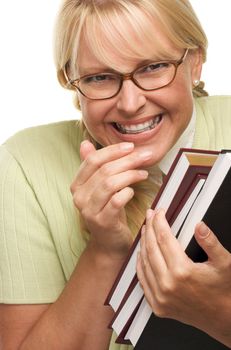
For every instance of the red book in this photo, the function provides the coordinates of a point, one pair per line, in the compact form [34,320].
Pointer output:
[122,318]
[173,194]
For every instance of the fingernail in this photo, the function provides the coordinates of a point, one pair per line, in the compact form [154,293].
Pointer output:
[126,146]
[84,142]
[143,173]
[149,214]
[143,230]
[159,210]
[203,230]
[145,154]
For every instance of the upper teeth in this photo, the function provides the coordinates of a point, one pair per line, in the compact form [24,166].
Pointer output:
[137,128]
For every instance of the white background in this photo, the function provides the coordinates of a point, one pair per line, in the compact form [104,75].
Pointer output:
[29,92]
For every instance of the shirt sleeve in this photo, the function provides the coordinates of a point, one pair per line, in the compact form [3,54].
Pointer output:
[30,270]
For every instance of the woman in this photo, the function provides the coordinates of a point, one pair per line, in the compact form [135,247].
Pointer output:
[135,67]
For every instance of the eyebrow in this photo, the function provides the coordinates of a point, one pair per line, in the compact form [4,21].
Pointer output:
[92,70]
[104,69]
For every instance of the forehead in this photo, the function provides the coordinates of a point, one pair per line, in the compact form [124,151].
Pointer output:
[121,43]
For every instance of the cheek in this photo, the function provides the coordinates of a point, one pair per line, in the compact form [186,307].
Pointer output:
[90,112]
[178,104]
[93,115]
[180,99]
[183,109]
[93,111]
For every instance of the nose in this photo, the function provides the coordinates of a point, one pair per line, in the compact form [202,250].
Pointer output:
[131,98]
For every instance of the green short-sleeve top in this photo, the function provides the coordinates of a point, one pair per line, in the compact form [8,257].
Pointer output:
[40,239]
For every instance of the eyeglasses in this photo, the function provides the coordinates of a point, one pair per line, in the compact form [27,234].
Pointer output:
[103,85]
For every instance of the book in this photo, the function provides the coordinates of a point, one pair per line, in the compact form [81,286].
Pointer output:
[134,294]
[165,334]
[213,206]
[174,192]
[214,202]
[189,168]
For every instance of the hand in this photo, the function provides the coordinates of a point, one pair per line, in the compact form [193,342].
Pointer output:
[198,294]
[101,191]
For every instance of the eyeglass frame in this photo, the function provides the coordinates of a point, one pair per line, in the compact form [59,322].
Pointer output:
[125,76]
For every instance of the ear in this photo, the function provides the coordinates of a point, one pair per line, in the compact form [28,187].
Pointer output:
[196,61]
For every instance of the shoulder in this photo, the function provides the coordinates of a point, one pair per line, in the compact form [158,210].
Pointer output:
[45,137]
[46,142]
[214,106]
[213,122]
[45,151]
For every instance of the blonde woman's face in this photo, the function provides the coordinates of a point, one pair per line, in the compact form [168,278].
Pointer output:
[167,110]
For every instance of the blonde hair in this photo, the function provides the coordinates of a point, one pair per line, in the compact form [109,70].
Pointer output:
[119,21]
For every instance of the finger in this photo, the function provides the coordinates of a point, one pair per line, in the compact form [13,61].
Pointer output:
[143,252]
[151,248]
[152,268]
[118,201]
[171,250]
[147,272]
[94,160]
[98,190]
[107,162]
[109,189]
[211,245]
[111,213]
[145,284]
[86,148]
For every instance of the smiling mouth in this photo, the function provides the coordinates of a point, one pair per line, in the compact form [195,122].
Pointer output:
[138,128]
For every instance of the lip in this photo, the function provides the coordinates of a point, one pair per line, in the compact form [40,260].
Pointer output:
[139,137]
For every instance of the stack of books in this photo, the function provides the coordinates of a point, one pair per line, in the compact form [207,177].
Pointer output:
[197,187]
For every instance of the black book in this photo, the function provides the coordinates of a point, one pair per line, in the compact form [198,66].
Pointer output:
[168,334]
[219,208]
[213,206]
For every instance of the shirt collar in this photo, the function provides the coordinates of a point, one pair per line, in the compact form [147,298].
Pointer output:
[184,141]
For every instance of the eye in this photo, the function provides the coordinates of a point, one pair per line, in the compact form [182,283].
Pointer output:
[98,78]
[155,67]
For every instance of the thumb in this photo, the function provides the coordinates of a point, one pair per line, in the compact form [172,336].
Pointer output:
[86,148]
[210,244]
